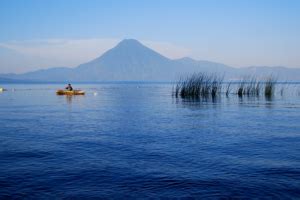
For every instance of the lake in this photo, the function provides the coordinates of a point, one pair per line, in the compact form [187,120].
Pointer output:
[136,141]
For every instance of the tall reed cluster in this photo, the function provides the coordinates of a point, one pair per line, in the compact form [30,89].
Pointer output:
[199,85]
[254,87]
[270,86]
[249,87]
[204,85]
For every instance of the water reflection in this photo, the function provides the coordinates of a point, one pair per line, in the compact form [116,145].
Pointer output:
[269,97]
[198,102]
[69,99]
[246,100]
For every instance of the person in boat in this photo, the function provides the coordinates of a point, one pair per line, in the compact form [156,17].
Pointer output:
[69,87]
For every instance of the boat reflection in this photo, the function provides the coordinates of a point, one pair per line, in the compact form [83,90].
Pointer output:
[69,99]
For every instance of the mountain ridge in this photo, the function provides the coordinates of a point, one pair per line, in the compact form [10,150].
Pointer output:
[130,60]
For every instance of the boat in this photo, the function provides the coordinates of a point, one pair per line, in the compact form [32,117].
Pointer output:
[2,89]
[68,92]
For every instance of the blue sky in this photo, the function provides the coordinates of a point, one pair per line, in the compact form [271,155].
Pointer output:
[234,32]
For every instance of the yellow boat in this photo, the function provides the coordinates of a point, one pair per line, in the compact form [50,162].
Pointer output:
[67,92]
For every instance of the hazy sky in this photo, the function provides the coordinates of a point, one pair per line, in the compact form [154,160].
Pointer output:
[45,33]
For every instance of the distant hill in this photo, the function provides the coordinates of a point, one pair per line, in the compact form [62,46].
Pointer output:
[13,59]
[7,80]
[132,61]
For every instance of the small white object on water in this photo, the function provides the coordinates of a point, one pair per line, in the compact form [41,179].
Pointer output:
[95,93]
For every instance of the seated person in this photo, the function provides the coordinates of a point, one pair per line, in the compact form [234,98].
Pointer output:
[69,87]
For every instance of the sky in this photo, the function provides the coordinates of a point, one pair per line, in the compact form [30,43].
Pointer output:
[37,34]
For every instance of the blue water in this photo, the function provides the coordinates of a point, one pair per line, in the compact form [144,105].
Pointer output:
[136,141]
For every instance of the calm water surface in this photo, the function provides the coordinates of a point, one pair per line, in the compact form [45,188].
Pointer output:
[136,141]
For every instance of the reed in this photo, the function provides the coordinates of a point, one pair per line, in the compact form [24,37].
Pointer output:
[270,86]
[228,89]
[257,88]
[199,85]
[249,86]
[242,87]
[284,86]
[204,85]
